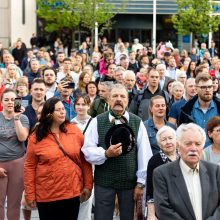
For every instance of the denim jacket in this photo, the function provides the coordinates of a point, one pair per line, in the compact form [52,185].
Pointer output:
[70,111]
[152,131]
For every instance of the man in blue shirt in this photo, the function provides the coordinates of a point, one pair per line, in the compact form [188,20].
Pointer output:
[203,106]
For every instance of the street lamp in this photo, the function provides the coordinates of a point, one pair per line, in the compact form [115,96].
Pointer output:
[96,35]
[154,25]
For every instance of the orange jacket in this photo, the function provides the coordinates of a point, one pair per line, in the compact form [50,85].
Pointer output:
[51,176]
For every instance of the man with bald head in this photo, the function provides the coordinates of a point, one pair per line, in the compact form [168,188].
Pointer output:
[190,91]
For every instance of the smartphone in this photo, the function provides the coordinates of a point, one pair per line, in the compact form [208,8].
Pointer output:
[17,106]
[70,85]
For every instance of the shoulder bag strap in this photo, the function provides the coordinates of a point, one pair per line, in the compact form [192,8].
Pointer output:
[63,151]
[87,125]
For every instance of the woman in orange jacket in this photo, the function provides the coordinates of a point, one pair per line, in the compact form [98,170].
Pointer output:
[56,175]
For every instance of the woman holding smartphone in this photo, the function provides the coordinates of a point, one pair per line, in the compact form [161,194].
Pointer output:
[14,129]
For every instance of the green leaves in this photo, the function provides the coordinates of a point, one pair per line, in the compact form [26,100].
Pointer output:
[195,16]
[71,13]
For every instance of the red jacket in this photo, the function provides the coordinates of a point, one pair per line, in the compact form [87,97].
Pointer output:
[51,176]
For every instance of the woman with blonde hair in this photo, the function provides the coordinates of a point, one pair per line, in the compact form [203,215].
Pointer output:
[84,79]
[48,59]
[11,76]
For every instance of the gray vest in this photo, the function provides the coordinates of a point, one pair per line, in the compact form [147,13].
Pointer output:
[117,172]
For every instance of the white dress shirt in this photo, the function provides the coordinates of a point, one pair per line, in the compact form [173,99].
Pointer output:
[96,155]
[192,180]
[50,91]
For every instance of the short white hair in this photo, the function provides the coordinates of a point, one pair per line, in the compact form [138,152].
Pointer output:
[177,84]
[165,128]
[191,126]
[161,65]
[129,73]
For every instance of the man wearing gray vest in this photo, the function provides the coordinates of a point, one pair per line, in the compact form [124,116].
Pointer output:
[116,172]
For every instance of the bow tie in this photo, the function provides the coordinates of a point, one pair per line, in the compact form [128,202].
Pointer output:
[121,118]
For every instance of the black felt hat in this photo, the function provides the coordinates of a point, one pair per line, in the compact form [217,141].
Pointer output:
[123,134]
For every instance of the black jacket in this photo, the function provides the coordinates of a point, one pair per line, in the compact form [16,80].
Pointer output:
[186,110]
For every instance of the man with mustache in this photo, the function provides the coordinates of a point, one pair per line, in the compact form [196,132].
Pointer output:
[201,107]
[189,188]
[117,173]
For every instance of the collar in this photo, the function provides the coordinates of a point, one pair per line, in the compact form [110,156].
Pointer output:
[158,89]
[82,122]
[212,105]
[52,88]
[117,121]
[165,158]
[162,79]
[186,169]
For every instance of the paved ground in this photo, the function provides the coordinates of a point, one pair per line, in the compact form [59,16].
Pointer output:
[34,216]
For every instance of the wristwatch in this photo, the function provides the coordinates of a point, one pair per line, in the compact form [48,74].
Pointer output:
[16,118]
[140,185]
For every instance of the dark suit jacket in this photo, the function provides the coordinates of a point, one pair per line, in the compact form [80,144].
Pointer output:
[171,197]
[167,79]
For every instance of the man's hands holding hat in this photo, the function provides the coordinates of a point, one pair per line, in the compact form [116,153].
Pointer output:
[114,151]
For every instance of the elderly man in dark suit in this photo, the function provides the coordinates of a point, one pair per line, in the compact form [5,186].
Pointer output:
[164,79]
[188,189]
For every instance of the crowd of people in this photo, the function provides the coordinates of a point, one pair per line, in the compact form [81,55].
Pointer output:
[110,130]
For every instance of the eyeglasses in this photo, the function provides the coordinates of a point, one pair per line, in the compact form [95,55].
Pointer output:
[205,87]
[217,130]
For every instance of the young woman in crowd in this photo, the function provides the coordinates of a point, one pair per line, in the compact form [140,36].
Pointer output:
[166,139]
[92,91]
[11,76]
[82,121]
[82,105]
[191,71]
[84,79]
[215,83]
[54,158]
[89,69]
[14,130]
[108,58]
[48,59]
[212,152]
[169,87]
[79,59]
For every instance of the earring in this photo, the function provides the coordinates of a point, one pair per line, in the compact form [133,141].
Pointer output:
[49,115]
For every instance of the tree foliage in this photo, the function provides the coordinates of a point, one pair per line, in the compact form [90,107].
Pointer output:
[72,13]
[195,16]
[58,14]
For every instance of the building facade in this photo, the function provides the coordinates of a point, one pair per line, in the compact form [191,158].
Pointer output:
[17,20]
[134,19]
